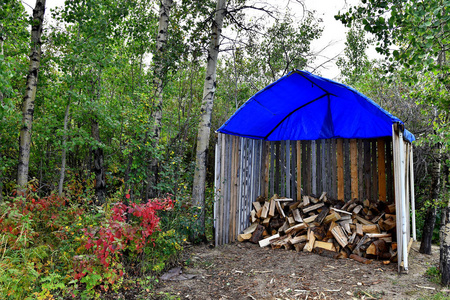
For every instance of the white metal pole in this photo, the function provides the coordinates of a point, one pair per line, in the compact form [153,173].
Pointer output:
[413,200]
[402,203]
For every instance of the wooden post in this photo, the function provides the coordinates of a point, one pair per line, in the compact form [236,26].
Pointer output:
[360,170]
[374,171]
[308,168]
[299,170]
[389,171]
[272,168]
[278,169]
[347,171]
[313,167]
[232,224]
[340,169]
[324,165]
[241,174]
[381,170]
[367,174]
[293,174]
[333,169]
[354,168]
[266,146]
[288,169]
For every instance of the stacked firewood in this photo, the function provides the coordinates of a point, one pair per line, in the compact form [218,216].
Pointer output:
[361,230]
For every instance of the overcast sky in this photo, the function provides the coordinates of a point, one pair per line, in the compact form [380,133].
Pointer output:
[333,33]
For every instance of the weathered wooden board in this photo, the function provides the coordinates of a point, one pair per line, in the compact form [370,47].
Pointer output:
[354,169]
[340,169]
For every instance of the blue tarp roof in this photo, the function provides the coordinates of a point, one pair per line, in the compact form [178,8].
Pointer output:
[303,106]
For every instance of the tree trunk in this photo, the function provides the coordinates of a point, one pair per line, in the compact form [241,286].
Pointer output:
[160,73]
[99,170]
[204,128]
[444,261]
[64,150]
[1,173]
[1,102]
[430,217]
[30,95]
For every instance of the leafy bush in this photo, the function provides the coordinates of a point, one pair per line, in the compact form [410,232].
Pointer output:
[51,247]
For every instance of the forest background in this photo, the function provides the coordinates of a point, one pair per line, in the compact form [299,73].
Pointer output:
[115,103]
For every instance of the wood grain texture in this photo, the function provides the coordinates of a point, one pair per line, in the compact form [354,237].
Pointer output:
[299,170]
[340,169]
[381,169]
[354,169]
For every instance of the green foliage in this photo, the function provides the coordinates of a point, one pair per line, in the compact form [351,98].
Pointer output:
[433,274]
[355,63]
[53,247]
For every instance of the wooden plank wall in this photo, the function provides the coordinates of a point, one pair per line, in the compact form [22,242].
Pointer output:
[247,168]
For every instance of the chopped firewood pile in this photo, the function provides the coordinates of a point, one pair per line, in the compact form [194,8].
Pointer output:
[360,230]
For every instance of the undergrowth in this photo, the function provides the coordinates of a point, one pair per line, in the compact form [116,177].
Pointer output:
[55,247]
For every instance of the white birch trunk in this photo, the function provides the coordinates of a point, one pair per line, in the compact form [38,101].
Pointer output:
[204,128]
[29,97]
[161,42]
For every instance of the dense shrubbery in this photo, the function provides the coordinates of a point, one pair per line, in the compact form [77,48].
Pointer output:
[53,246]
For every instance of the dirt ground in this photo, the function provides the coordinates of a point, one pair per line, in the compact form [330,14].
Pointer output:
[246,271]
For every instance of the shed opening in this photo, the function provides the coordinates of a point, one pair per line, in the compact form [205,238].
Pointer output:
[304,135]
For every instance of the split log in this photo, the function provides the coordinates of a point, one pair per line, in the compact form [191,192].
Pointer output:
[370,228]
[312,207]
[390,209]
[296,228]
[251,228]
[326,253]
[272,208]
[324,245]
[298,239]
[359,230]
[360,259]
[340,236]
[333,217]
[357,209]
[280,209]
[297,217]
[257,205]
[378,235]
[257,234]
[266,242]
[321,216]
[341,211]
[378,247]
[310,219]
[306,201]
[244,237]
[300,246]
[310,244]
[362,220]
[253,217]
[265,210]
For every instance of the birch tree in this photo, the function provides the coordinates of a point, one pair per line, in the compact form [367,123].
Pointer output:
[204,127]
[160,73]
[30,95]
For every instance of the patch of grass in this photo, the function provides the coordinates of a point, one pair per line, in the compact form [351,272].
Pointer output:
[437,296]
[368,294]
[433,274]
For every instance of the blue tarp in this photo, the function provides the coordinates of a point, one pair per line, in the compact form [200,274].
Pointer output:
[303,106]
